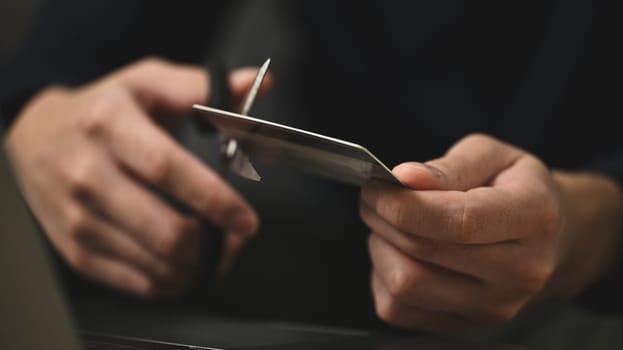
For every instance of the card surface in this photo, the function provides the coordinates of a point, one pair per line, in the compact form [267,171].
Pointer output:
[275,144]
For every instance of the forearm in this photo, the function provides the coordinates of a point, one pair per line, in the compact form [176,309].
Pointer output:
[594,226]
[72,42]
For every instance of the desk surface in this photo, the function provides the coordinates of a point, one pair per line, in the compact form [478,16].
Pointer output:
[231,333]
[552,326]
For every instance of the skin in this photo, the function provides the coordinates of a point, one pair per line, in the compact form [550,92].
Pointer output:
[86,157]
[484,232]
[480,234]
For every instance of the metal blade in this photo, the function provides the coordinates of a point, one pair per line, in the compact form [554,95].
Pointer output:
[233,158]
[250,98]
[242,167]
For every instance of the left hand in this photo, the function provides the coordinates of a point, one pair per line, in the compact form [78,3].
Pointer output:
[484,232]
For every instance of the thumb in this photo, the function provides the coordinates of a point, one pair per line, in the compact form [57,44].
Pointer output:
[159,84]
[473,161]
[241,80]
[162,85]
[420,176]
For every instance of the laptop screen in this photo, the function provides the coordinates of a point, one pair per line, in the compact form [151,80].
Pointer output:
[34,314]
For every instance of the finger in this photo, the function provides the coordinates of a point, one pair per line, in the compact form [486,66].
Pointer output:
[232,246]
[241,81]
[422,285]
[111,271]
[420,176]
[446,254]
[405,316]
[135,210]
[494,264]
[102,237]
[472,162]
[153,156]
[520,205]
[158,83]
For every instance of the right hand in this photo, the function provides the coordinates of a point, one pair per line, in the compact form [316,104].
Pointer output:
[83,158]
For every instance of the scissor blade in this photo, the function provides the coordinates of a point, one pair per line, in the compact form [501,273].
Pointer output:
[241,166]
[250,97]
[234,160]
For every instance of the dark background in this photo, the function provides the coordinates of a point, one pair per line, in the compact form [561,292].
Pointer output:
[15,16]
[257,30]
[294,206]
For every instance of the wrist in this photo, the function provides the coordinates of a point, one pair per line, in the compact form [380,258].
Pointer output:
[19,137]
[590,240]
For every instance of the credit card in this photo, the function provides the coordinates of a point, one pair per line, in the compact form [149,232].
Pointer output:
[265,142]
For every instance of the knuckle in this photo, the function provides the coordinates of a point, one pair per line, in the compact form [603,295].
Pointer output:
[148,288]
[170,243]
[78,225]
[164,273]
[96,120]
[371,243]
[526,280]
[220,205]
[550,217]
[363,214]
[477,138]
[174,238]
[534,278]
[502,313]
[77,257]
[401,215]
[428,249]
[150,64]
[158,169]
[414,248]
[80,176]
[212,203]
[464,223]
[400,283]
[386,308]
[396,212]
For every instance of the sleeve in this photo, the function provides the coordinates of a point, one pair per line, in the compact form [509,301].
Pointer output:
[598,101]
[599,89]
[73,41]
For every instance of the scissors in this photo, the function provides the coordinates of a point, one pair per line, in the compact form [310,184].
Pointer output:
[232,157]
[245,137]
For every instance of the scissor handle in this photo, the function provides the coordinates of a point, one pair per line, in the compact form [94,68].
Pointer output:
[219,94]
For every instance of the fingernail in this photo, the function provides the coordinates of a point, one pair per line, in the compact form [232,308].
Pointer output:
[233,245]
[422,167]
[241,223]
[434,171]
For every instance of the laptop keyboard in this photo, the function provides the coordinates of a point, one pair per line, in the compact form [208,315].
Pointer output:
[95,345]
[102,342]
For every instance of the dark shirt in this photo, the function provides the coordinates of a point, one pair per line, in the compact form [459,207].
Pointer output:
[405,78]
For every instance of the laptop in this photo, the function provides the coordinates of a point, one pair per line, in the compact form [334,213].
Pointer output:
[35,313]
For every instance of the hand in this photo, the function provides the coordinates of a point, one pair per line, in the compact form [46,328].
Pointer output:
[485,231]
[84,158]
